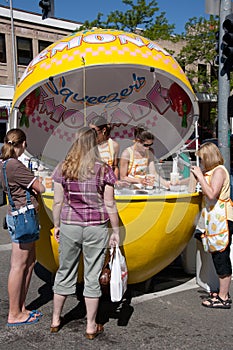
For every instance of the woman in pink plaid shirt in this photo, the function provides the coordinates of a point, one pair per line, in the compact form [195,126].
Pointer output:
[83,206]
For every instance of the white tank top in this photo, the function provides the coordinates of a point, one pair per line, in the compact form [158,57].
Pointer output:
[107,152]
[137,166]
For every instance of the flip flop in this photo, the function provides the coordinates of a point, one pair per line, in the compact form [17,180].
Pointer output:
[36,313]
[26,322]
[217,304]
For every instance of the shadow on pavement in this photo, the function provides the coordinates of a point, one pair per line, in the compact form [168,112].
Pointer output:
[121,311]
[45,291]
[170,277]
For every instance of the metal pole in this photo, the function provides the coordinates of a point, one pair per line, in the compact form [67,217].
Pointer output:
[223,92]
[52,8]
[13,46]
[14,112]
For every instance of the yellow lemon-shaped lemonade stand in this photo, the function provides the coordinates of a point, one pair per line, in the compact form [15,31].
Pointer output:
[130,80]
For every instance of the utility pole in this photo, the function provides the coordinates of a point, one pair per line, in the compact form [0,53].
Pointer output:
[14,112]
[223,91]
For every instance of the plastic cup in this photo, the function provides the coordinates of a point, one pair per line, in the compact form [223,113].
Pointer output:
[150,180]
[174,177]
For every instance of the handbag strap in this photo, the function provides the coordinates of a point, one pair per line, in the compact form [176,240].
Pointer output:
[12,204]
[108,258]
[112,253]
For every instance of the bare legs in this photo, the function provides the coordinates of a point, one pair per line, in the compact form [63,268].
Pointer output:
[58,303]
[28,276]
[92,307]
[224,287]
[22,263]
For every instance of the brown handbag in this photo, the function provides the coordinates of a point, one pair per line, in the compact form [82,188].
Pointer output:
[105,275]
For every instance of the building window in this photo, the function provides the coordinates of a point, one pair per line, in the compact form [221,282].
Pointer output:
[202,70]
[43,45]
[24,51]
[2,132]
[213,73]
[2,48]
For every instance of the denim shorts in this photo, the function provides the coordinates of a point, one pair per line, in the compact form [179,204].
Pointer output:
[11,230]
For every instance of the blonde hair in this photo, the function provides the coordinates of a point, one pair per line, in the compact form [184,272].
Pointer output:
[210,156]
[82,156]
[14,138]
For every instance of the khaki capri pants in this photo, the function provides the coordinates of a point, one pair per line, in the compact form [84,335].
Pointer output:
[74,239]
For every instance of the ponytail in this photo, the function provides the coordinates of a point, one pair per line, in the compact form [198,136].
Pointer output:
[14,138]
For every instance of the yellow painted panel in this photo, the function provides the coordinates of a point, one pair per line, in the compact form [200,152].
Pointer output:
[154,231]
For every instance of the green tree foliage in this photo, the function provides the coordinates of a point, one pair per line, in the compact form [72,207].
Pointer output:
[139,14]
[160,29]
[139,17]
[97,23]
[199,51]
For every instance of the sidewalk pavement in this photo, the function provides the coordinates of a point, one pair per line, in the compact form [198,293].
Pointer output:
[162,314]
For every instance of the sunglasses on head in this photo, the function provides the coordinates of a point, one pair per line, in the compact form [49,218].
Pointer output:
[148,144]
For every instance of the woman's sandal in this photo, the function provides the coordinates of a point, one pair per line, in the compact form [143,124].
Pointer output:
[218,303]
[99,330]
[56,329]
[215,294]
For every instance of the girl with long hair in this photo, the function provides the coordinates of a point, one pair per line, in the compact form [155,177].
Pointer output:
[83,206]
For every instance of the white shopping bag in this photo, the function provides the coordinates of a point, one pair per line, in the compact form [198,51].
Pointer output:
[119,275]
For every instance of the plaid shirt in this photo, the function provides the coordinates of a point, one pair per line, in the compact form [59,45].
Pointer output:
[84,200]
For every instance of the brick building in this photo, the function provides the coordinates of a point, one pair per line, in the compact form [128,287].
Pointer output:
[31,35]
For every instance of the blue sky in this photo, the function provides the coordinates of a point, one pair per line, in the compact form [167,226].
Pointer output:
[177,11]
